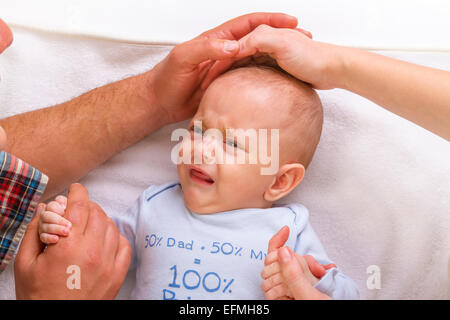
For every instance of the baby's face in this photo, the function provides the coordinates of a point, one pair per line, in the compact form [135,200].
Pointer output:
[216,187]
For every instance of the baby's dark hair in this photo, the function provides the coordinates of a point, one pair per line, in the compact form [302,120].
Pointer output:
[298,100]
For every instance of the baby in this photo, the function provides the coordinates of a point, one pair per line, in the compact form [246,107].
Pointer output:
[205,236]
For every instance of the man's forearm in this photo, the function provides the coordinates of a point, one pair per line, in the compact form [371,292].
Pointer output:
[66,141]
[417,93]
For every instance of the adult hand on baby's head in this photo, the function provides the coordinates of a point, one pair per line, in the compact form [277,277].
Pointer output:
[94,245]
[175,83]
[293,49]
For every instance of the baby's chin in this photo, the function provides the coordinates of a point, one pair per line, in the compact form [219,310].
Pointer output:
[198,209]
[195,207]
[201,206]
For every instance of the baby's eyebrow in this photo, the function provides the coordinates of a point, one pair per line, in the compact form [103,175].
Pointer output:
[206,126]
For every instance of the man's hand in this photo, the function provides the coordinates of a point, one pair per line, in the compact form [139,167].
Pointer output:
[274,284]
[175,82]
[94,245]
[74,132]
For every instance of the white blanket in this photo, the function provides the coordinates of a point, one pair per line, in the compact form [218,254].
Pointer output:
[376,24]
[378,188]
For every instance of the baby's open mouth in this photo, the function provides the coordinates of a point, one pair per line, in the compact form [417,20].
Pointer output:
[200,176]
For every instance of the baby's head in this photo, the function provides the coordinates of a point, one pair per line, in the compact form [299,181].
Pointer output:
[250,98]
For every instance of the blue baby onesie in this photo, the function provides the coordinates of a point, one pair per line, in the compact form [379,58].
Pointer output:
[180,254]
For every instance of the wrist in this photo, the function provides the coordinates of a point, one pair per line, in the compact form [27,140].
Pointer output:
[337,66]
[344,66]
[155,114]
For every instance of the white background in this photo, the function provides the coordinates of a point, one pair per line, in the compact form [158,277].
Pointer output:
[377,24]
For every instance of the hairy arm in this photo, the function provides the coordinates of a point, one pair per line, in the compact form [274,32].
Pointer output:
[68,140]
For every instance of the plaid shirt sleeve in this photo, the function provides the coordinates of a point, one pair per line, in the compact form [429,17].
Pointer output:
[21,187]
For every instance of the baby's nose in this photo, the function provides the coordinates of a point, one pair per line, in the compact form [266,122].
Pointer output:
[209,148]
[208,145]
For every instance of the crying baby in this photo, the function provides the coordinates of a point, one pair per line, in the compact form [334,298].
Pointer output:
[205,236]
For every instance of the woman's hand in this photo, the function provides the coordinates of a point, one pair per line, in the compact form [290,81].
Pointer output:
[293,49]
[417,93]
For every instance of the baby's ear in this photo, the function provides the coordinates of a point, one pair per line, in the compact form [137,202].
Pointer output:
[286,179]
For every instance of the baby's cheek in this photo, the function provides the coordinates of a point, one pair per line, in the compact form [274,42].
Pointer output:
[231,179]
[259,182]
[244,181]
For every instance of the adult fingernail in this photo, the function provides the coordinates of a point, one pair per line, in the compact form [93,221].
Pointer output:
[284,255]
[230,46]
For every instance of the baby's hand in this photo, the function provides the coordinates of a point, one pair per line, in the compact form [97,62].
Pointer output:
[274,285]
[51,223]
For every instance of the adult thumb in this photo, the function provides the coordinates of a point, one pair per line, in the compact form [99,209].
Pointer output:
[198,50]
[31,245]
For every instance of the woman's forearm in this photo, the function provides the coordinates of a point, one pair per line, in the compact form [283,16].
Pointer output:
[417,93]
[66,141]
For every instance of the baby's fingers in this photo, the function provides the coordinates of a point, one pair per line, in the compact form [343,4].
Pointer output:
[50,217]
[271,282]
[56,207]
[270,270]
[48,238]
[271,257]
[54,229]
[62,200]
[279,292]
